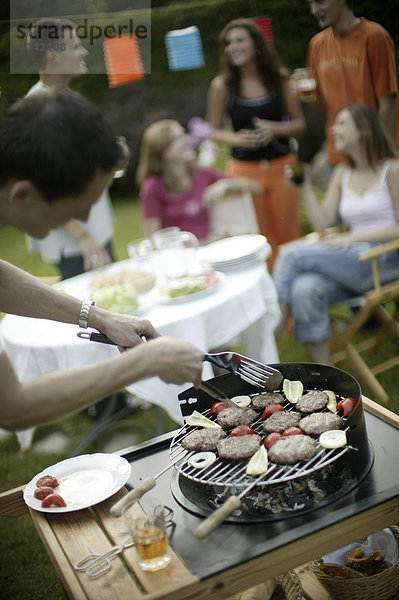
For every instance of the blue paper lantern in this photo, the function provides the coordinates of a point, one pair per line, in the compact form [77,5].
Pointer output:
[184,49]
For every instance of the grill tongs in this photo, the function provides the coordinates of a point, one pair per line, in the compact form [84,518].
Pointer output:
[248,369]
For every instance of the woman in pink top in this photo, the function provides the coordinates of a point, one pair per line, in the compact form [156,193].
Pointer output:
[174,190]
[364,196]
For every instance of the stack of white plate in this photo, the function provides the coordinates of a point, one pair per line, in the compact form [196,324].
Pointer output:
[235,253]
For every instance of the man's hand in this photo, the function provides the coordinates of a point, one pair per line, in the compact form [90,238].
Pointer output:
[175,360]
[126,331]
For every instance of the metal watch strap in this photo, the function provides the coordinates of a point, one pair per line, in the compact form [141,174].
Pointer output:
[84,313]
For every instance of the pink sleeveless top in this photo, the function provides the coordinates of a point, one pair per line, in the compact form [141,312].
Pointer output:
[369,211]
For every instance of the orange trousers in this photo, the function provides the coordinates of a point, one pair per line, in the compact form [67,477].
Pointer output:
[277,208]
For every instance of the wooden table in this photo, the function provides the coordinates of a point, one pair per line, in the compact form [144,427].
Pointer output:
[71,536]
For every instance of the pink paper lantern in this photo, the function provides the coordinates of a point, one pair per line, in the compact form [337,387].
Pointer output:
[265,25]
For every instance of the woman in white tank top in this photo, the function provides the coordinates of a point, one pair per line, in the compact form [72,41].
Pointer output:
[364,197]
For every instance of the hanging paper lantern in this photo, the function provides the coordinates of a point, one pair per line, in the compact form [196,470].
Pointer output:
[265,25]
[122,60]
[184,49]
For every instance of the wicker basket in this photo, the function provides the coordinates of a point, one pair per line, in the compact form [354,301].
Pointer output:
[288,587]
[380,586]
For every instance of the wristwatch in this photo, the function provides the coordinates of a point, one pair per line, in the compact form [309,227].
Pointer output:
[84,313]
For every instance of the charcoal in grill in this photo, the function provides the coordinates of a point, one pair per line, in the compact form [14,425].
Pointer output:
[260,401]
[317,423]
[292,449]
[301,494]
[203,440]
[313,401]
[281,420]
[231,417]
[239,447]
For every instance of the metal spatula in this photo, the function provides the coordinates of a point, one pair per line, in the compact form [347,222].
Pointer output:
[248,369]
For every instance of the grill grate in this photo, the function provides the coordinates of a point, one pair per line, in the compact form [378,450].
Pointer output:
[226,473]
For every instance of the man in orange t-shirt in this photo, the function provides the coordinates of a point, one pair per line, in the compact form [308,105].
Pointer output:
[354,62]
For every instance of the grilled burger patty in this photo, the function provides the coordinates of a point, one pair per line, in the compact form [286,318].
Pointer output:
[239,447]
[317,423]
[279,421]
[292,449]
[260,401]
[203,439]
[231,417]
[312,401]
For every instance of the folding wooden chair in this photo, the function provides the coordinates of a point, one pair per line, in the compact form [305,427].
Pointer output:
[233,214]
[372,303]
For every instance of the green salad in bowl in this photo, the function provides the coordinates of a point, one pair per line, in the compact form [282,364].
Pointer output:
[120,298]
[183,286]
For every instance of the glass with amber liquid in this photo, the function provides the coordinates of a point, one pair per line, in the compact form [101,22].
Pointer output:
[149,534]
[305,83]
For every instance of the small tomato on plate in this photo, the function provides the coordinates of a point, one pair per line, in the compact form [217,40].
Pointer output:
[47,481]
[217,407]
[41,492]
[271,439]
[272,408]
[242,430]
[346,406]
[52,501]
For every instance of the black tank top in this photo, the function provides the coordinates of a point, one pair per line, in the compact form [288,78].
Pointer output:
[242,110]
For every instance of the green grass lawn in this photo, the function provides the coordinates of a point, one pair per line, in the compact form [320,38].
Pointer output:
[27,572]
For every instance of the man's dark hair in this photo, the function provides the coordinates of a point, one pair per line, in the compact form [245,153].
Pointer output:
[47,34]
[58,141]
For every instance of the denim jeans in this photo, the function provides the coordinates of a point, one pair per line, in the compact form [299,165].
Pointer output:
[311,276]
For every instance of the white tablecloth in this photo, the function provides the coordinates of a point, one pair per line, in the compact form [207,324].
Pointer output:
[245,304]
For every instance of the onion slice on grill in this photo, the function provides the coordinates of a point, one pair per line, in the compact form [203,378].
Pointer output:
[241,401]
[201,460]
[335,438]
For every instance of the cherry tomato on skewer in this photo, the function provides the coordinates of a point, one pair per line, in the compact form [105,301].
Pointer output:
[346,406]
[217,407]
[292,431]
[272,408]
[242,430]
[271,439]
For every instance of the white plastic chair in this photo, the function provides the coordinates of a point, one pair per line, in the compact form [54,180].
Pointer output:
[233,214]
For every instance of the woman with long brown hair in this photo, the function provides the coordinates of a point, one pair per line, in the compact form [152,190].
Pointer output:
[253,89]
[364,196]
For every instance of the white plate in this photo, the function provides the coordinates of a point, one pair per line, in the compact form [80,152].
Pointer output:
[83,481]
[214,281]
[232,248]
